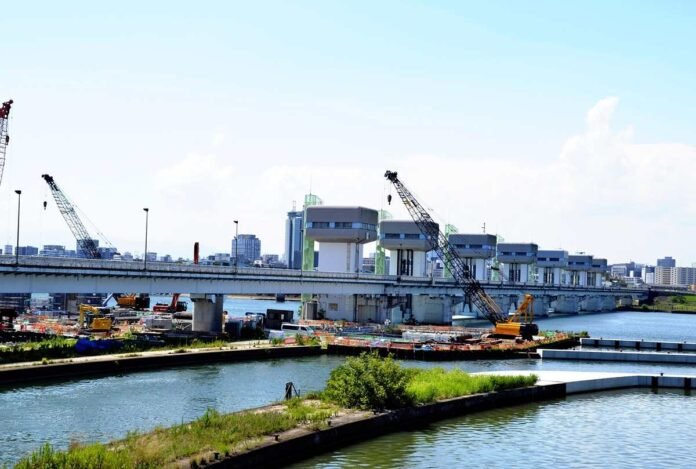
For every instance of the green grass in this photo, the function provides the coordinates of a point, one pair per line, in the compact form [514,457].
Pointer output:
[213,432]
[372,382]
[435,384]
[61,347]
[686,303]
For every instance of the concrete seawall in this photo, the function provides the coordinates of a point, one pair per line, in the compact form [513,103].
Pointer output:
[111,365]
[639,345]
[620,356]
[296,445]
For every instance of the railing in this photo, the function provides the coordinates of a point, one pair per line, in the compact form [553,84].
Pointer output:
[154,267]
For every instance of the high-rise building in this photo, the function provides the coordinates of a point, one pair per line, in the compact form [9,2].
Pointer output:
[294,237]
[28,251]
[666,262]
[8,249]
[675,276]
[246,248]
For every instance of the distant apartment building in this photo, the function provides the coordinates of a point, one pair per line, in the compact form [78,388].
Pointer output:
[28,251]
[648,274]
[9,250]
[108,252]
[246,248]
[666,262]
[294,237]
[221,258]
[675,276]
[273,261]
[53,250]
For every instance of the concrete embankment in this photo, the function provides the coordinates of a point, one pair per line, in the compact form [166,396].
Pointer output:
[284,448]
[620,356]
[639,344]
[297,444]
[116,364]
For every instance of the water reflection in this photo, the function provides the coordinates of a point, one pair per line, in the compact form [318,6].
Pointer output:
[634,428]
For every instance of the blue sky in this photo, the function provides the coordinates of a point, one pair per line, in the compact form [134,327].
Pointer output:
[216,111]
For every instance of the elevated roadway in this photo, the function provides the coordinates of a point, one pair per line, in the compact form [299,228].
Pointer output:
[59,275]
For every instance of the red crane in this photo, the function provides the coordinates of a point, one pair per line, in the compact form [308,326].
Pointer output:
[4,137]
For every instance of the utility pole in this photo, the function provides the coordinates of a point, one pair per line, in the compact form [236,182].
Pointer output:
[236,244]
[19,205]
[147,216]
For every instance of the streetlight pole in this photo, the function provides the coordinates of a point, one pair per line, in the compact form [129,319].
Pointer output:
[236,243]
[19,204]
[147,216]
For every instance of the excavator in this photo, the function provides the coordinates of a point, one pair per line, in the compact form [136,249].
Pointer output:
[97,318]
[518,324]
[175,306]
[133,301]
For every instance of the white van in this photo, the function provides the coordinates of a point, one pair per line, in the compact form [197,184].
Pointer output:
[291,330]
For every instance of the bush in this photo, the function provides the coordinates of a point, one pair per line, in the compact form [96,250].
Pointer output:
[369,382]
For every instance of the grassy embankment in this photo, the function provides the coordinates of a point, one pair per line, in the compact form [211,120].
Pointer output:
[364,382]
[61,347]
[679,304]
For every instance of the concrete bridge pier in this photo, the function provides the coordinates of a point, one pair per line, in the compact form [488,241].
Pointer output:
[624,301]
[542,304]
[567,304]
[207,312]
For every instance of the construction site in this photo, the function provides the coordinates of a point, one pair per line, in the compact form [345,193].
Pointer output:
[388,325]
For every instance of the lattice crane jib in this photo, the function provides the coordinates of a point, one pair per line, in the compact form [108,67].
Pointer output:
[439,243]
[4,136]
[84,240]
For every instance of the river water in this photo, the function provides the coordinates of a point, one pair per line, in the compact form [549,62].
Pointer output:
[105,408]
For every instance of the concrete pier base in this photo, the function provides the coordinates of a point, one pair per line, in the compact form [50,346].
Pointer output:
[207,313]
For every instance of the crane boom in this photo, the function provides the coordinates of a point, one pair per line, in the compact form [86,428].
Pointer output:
[84,240]
[458,268]
[4,137]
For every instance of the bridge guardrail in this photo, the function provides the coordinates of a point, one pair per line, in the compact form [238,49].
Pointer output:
[166,267]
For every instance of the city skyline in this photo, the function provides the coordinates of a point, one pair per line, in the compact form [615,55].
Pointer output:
[567,141]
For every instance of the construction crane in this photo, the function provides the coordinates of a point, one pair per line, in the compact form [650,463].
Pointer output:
[84,240]
[518,324]
[4,137]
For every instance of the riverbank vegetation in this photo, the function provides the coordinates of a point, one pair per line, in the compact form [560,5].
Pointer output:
[676,303]
[197,441]
[62,347]
[366,382]
[375,383]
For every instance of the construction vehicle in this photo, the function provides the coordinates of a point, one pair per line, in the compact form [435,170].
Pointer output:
[175,306]
[517,324]
[95,318]
[4,137]
[84,240]
[133,301]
